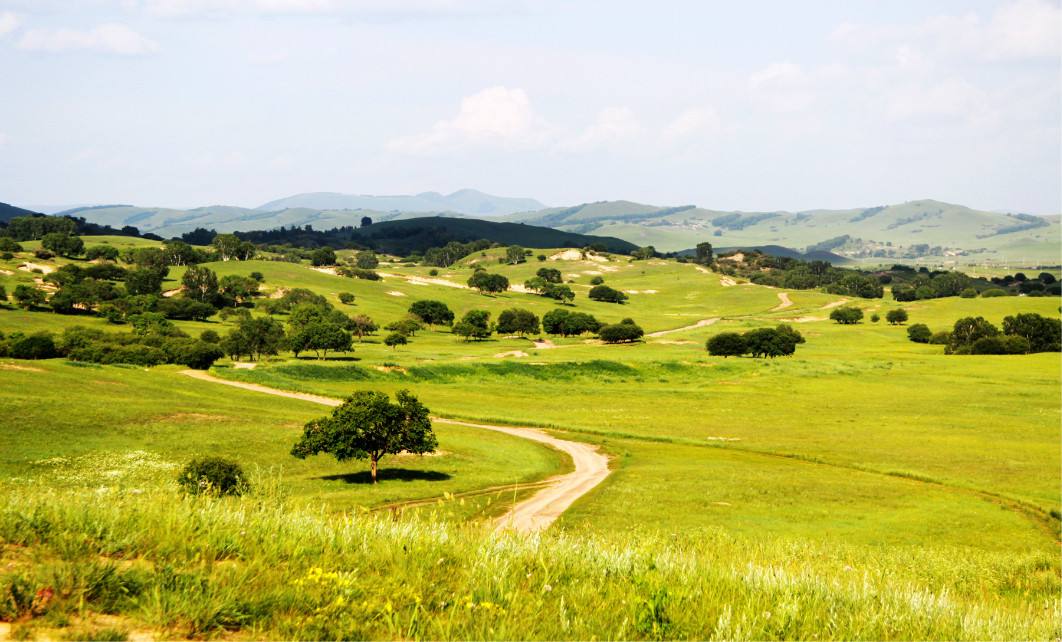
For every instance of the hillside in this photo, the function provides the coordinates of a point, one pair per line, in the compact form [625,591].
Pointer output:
[467,201]
[8,212]
[418,234]
[908,230]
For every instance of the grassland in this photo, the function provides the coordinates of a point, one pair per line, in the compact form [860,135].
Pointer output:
[867,487]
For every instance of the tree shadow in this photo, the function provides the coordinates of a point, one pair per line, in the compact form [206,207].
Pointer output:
[389,474]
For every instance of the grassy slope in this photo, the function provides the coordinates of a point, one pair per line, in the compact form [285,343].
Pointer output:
[863,442]
[168,418]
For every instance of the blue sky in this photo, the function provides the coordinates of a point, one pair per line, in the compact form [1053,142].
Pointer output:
[750,105]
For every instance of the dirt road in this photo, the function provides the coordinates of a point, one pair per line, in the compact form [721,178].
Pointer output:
[699,324]
[783,297]
[531,515]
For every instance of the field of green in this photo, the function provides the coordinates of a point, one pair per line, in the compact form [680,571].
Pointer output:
[867,487]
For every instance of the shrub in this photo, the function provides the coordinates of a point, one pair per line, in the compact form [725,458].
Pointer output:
[541,257]
[874,318]
[726,344]
[625,332]
[39,345]
[8,244]
[7,256]
[606,294]
[395,339]
[346,298]
[323,256]
[988,345]
[597,280]
[257,276]
[919,333]
[210,336]
[213,476]
[43,254]
[941,338]
[968,293]
[847,315]
[896,317]
[993,292]
[358,273]
[433,272]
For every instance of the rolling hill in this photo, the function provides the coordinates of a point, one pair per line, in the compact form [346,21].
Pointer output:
[907,230]
[8,212]
[466,201]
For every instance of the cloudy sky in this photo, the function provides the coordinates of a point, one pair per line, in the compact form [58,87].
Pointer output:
[732,105]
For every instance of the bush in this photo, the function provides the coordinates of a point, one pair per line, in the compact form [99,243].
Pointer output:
[726,344]
[896,317]
[43,254]
[847,315]
[874,318]
[597,280]
[968,293]
[213,476]
[993,292]
[919,333]
[606,294]
[621,333]
[433,272]
[988,345]
[40,345]
[395,339]
[346,298]
[323,256]
[358,273]
[941,338]
[210,336]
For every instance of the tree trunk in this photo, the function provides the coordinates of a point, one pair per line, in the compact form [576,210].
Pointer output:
[372,467]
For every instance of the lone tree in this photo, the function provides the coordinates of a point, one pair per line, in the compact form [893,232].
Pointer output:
[704,255]
[517,321]
[488,283]
[368,426]
[847,315]
[432,312]
[896,317]
[606,294]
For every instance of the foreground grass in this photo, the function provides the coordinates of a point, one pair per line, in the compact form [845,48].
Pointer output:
[91,426]
[257,567]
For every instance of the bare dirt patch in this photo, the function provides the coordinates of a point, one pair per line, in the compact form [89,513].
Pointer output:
[700,324]
[785,302]
[190,416]
[807,319]
[12,366]
[396,293]
[325,270]
[29,267]
[834,304]
[727,282]
[511,353]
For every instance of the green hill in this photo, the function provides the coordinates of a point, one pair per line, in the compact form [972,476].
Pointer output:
[418,234]
[908,230]
[8,212]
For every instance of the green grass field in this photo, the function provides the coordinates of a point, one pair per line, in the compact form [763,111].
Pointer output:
[867,487]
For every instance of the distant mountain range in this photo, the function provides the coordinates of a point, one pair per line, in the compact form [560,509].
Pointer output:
[915,229]
[467,201]
[907,230]
[8,212]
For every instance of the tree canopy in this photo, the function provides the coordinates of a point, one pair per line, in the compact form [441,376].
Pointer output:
[369,426]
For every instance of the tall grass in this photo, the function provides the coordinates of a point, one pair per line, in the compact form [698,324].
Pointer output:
[200,567]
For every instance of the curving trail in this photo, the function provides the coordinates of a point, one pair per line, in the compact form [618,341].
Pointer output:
[531,515]
[785,302]
[700,324]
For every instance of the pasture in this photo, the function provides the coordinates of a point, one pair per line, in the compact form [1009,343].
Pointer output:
[868,481]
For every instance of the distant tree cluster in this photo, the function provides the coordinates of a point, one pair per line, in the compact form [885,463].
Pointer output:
[761,342]
[548,282]
[1022,334]
[606,294]
[847,315]
[488,283]
[154,341]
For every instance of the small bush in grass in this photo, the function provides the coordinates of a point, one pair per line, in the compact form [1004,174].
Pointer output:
[896,317]
[597,280]
[346,298]
[968,293]
[993,292]
[847,315]
[213,476]
[874,318]
[433,272]
[919,333]
[940,338]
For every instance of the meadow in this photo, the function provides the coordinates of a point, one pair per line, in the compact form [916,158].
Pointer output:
[867,487]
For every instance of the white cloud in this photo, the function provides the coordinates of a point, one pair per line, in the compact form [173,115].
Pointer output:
[112,38]
[8,22]
[1024,29]
[613,126]
[393,8]
[694,122]
[497,116]
[782,86]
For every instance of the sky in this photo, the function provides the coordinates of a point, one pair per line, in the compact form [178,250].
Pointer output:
[749,105]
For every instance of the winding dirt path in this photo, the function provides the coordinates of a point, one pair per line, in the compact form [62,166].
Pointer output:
[531,515]
[785,302]
[700,324]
